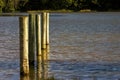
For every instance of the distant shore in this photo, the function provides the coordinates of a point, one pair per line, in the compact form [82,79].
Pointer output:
[70,11]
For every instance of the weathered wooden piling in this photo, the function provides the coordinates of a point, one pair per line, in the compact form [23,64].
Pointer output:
[32,25]
[34,36]
[43,31]
[38,46]
[38,35]
[47,26]
[24,60]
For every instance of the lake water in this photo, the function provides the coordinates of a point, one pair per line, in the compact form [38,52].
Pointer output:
[83,46]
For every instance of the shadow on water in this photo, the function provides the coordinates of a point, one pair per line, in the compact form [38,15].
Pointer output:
[40,70]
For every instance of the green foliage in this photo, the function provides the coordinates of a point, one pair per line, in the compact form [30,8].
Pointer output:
[66,3]
[2,4]
[22,5]
[10,6]
[75,5]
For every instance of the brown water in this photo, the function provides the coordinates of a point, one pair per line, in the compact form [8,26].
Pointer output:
[83,46]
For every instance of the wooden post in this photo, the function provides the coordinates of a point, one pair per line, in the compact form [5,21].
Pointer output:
[31,39]
[38,35]
[44,31]
[38,46]
[24,61]
[47,26]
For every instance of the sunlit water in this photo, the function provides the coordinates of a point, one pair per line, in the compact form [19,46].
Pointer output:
[83,46]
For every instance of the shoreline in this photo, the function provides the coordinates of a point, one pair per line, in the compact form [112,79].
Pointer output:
[69,11]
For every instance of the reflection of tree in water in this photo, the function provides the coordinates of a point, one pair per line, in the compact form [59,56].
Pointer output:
[40,70]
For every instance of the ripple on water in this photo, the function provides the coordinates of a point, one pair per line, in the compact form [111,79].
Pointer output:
[78,70]
[83,46]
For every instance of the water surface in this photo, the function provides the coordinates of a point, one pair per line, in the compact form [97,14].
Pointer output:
[83,46]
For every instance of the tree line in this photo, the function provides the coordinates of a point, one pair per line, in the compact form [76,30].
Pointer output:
[75,5]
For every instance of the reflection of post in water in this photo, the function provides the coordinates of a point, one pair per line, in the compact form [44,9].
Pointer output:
[45,53]
[42,66]
[24,77]
[94,77]
[45,63]
[39,69]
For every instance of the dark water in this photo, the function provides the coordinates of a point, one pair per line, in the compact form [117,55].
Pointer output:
[83,46]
